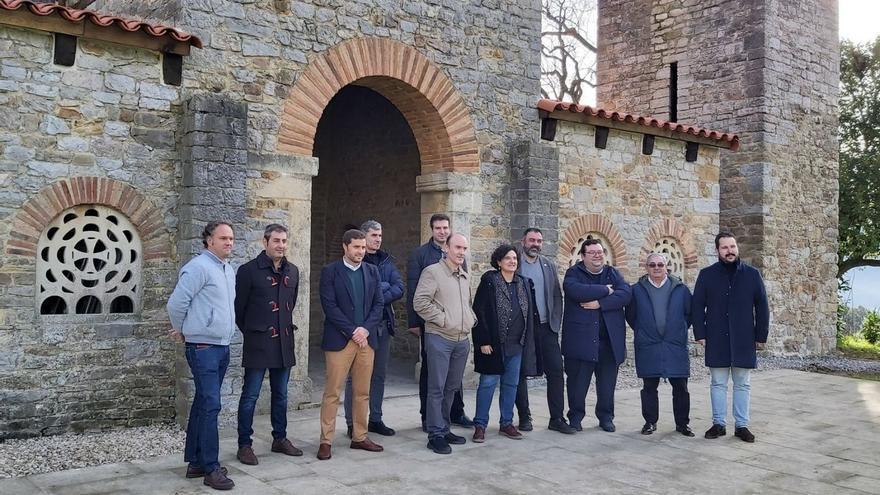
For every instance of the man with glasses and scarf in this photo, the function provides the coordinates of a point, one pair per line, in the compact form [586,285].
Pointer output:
[659,314]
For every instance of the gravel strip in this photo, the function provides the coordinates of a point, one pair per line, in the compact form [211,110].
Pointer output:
[60,452]
[29,456]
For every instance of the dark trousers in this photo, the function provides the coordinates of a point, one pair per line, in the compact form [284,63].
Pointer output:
[580,373]
[208,364]
[250,392]
[445,371]
[551,357]
[681,400]
[457,410]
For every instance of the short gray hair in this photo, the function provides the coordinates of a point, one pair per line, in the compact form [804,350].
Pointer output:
[656,255]
[371,225]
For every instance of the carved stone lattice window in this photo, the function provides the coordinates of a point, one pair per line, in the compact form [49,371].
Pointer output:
[89,262]
[575,251]
[671,248]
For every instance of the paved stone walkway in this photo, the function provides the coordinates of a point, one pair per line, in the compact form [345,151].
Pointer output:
[815,434]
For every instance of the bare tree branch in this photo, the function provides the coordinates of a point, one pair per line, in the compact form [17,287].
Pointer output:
[568,57]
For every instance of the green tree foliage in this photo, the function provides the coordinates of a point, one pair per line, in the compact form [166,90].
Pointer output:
[859,156]
[871,327]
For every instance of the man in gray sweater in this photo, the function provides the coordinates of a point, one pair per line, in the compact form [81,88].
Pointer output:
[202,311]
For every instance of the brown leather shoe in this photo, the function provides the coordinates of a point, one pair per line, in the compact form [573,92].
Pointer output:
[367,445]
[479,434]
[218,481]
[510,431]
[324,452]
[286,447]
[198,472]
[246,455]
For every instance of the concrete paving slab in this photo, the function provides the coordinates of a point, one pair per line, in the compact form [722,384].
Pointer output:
[815,434]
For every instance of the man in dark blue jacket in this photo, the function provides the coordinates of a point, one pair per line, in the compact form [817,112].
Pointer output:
[351,297]
[392,290]
[731,318]
[426,255]
[659,314]
[593,332]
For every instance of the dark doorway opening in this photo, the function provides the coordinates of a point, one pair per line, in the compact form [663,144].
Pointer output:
[367,168]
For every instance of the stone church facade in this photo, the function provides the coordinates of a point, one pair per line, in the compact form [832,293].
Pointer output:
[120,137]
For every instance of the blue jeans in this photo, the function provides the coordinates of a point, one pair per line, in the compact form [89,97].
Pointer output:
[208,364]
[507,397]
[250,392]
[741,390]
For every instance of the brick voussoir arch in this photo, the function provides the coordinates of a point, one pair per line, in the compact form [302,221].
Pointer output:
[37,212]
[426,97]
[594,222]
[669,227]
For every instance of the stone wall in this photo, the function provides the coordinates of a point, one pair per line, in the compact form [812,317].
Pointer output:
[108,118]
[635,193]
[634,200]
[769,72]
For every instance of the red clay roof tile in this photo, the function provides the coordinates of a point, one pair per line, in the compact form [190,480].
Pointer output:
[99,19]
[732,140]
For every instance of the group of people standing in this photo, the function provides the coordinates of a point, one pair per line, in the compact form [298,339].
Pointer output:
[514,321]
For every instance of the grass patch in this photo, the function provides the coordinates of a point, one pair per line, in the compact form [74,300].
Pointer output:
[855,346]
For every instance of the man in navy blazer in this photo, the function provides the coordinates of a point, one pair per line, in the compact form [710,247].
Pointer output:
[731,318]
[593,332]
[351,297]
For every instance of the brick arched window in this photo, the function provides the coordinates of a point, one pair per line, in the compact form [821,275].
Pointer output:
[89,262]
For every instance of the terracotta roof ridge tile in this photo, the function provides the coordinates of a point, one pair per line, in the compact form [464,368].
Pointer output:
[101,19]
[676,127]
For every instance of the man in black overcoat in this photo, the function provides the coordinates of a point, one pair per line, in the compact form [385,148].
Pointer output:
[265,294]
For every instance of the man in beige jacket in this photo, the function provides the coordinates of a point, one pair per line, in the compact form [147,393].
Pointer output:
[443,300]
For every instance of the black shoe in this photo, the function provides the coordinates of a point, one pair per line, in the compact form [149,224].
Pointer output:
[744,434]
[561,426]
[649,428]
[577,427]
[463,421]
[525,424]
[424,426]
[380,428]
[454,439]
[685,430]
[608,426]
[348,433]
[715,431]
[439,445]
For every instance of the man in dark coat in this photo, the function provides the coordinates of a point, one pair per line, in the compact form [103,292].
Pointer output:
[392,290]
[731,318]
[541,270]
[659,314]
[265,294]
[424,256]
[351,297]
[593,332]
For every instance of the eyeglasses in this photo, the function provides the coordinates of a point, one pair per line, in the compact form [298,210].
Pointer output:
[594,253]
[656,265]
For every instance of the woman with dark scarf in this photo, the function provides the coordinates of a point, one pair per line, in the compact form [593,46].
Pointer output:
[504,339]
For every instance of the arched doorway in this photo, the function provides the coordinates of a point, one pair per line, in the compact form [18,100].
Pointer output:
[430,168]
[368,163]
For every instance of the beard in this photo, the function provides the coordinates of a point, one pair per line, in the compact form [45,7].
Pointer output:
[533,252]
[724,259]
